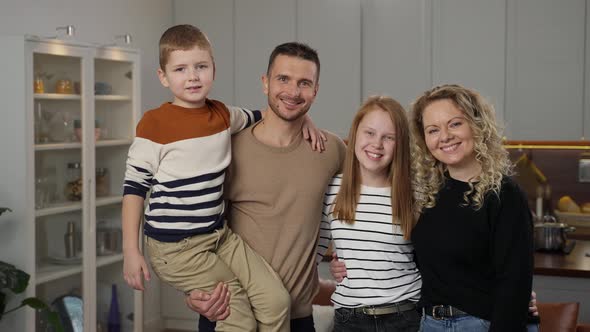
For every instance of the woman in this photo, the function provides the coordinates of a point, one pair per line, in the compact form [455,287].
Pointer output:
[473,239]
[368,215]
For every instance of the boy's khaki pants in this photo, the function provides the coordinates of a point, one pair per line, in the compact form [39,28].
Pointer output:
[258,299]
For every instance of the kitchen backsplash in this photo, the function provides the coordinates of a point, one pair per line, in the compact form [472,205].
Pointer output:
[560,167]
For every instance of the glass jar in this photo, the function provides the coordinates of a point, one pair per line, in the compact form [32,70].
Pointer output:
[103,185]
[61,127]
[39,85]
[64,86]
[42,129]
[78,130]
[41,191]
[74,182]
[97,130]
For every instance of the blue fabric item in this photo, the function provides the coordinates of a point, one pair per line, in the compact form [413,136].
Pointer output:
[458,324]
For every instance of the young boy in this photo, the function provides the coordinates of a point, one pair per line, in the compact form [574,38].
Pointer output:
[181,152]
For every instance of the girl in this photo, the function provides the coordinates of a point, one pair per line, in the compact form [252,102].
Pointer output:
[473,239]
[368,214]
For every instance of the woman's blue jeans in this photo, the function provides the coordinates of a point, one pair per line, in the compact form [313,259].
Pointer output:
[459,324]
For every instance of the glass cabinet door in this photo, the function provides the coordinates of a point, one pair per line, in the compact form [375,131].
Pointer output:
[58,180]
[114,118]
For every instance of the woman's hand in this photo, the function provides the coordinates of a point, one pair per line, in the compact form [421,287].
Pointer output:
[214,306]
[533,304]
[337,268]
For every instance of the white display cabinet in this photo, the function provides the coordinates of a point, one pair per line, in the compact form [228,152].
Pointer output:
[78,113]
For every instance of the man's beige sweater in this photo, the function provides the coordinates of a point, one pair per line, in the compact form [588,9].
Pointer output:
[276,199]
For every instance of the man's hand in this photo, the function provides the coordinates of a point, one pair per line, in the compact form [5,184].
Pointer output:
[134,268]
[214,306]
[313,134]
[337,268]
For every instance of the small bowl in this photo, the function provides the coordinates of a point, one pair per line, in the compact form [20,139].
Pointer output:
[102,88]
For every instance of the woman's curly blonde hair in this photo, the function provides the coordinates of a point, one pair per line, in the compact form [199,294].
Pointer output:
[489,152]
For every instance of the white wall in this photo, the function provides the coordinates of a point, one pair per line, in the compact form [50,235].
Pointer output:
[244,33]
[527,57]
[95,21]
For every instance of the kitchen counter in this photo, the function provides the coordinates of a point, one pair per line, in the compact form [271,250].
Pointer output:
[581,233]
[576,264]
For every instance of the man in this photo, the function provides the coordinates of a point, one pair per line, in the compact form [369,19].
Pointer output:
[276,185]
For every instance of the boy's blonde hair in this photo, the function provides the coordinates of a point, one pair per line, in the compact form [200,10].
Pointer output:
[399,170]
[182,37]
[489,152]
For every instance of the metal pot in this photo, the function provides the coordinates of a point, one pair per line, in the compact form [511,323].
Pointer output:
[551,235]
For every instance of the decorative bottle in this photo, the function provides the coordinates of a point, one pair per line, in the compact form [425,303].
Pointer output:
[114,321]
[70,240]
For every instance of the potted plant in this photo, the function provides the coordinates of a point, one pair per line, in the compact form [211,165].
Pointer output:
[16,281]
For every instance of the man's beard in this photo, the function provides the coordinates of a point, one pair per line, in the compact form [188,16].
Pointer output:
[276,110]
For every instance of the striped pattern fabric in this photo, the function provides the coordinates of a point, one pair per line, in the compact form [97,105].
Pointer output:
[181,155]
[379,262]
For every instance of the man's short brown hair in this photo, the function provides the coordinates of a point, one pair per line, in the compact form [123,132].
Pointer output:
[182,37]
[297,50]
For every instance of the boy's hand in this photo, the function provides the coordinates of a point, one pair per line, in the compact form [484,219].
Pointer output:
[214,306]
[337,268]
[313,134]
[134,268]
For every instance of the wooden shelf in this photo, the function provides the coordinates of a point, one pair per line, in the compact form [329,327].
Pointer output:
[78,145]
[107,260]
[58,208]
[76,206]
[57,96]
[112,97]
[109,200]
[48,271]
[64,96]
[57,146]
[114,142]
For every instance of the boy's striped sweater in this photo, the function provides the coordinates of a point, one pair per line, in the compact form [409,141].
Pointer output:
[181,154]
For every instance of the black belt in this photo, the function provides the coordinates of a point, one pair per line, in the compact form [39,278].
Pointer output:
[442,311]
[392,308]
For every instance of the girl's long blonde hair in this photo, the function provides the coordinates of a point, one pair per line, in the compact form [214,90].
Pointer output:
[489,152]
[399,171]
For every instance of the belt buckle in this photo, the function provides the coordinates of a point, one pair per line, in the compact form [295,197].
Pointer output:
[368,310]
[434,315]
